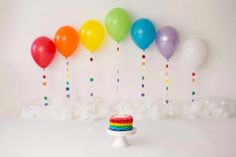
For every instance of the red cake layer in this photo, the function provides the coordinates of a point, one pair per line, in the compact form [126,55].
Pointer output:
[121,119]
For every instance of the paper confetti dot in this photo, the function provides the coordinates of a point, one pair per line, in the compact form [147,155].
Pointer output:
[167,88]
[67,83]
[193,93]
[167,101]
[117,48]
[118,80]
[167,65]
[45,98]
[143,77]
[142,85]
[193,74]
[44,76]
[143,56]
[68,95]
[44,83]
[91,59]
[91,94]
[166,81]
[142,94]
[46,104]
[67,88]
[67,75]
[91,79]
[143,63]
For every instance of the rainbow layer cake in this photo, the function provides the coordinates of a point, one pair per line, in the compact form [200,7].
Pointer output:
[121,123]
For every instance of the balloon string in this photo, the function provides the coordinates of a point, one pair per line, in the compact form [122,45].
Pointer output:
[67,79]
[91,78]
[143,64]
[45,98]
[166,81]
[193,83]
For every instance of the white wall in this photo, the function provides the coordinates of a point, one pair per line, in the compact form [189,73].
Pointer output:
[22,21]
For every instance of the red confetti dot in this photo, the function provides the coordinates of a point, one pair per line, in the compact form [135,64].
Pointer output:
[91,59]
[44,76]
[167,65]
[193,74]
[143,56]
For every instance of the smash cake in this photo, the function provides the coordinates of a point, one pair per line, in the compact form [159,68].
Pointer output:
[121,123]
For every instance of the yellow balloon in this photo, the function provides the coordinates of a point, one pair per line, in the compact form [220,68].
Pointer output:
[92,35]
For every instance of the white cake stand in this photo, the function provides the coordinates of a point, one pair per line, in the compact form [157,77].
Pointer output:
[120,140]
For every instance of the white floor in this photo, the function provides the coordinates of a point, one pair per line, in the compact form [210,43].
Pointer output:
[163,138]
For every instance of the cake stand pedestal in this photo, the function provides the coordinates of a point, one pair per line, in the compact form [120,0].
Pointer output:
[120,137]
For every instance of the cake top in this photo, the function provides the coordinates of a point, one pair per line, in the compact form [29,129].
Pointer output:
[128,118]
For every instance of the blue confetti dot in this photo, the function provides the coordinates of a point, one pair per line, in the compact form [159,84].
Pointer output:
[46,104]
[67,88]
[142,85]
[167,101]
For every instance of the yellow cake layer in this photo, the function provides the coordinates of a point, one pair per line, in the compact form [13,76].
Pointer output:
[119,124]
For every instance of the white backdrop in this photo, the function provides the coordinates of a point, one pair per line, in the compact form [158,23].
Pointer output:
[21,22]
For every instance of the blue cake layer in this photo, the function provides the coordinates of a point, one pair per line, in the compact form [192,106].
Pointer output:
[120,128]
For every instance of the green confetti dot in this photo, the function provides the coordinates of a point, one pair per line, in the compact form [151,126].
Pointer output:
[45,98]
[67,83]
[91,79]
[142,77]
[193,93]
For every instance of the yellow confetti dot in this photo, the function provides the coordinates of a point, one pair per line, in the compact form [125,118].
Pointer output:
[67,75]
[166,81]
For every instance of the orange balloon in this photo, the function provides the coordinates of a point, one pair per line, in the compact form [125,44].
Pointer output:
[66,40]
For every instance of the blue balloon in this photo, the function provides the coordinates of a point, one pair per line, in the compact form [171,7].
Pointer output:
[143,32]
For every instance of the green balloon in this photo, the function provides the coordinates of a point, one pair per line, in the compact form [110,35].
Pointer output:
[118,23]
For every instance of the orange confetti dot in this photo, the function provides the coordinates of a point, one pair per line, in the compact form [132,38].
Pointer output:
[143,63]
[193,80]
[44,83]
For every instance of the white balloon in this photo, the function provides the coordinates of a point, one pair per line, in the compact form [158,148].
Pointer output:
[193,52]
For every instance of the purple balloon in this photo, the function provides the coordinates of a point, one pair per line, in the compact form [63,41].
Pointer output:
[167,41]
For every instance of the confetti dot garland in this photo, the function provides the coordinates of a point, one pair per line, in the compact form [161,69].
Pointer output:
[67,88]
[166,81]
[45,98]
[91,78]
[143,64]
[118,69]
[193,84]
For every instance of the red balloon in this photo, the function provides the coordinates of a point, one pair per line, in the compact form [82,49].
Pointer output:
[43,51]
